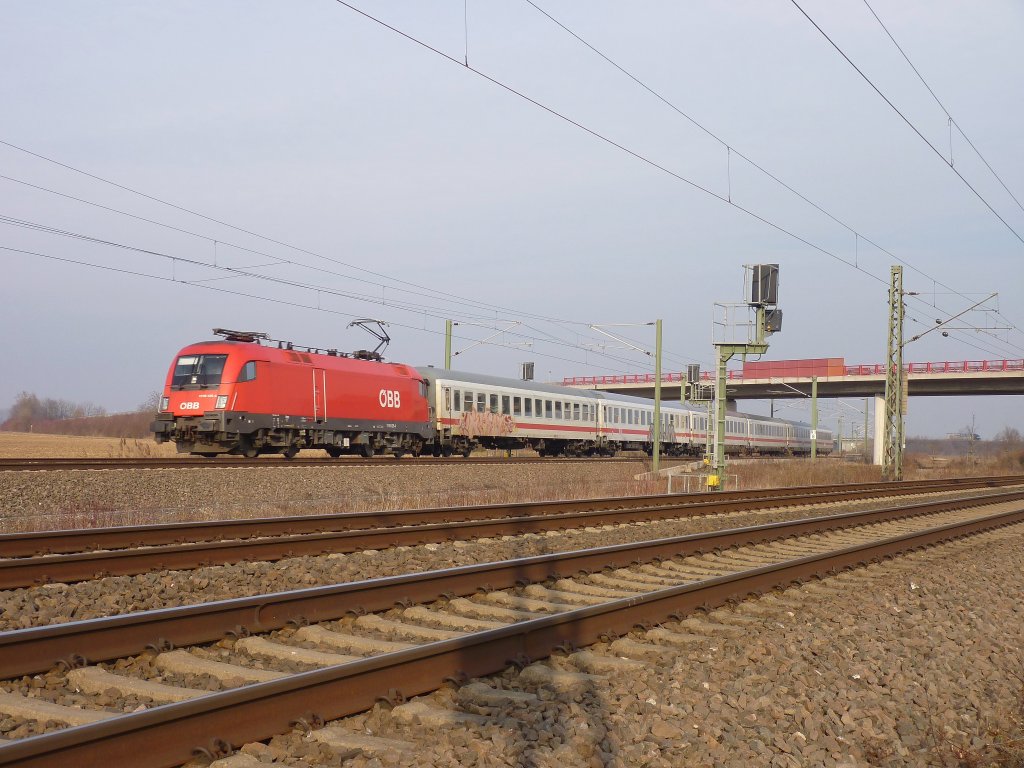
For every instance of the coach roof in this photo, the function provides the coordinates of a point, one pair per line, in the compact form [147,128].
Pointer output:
[497,381]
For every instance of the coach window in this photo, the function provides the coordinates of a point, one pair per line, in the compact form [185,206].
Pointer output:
[528,402]
[494,403]
[481,402]
[505,404]
[517,406]
[558,409]
[547,409]
[575,411]
[456,401]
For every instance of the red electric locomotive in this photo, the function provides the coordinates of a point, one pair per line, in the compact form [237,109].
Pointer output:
[248,395]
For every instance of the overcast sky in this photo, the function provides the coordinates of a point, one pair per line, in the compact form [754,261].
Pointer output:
[311,125]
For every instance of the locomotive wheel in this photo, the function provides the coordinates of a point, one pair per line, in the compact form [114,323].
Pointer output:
[290,452]
[250,451]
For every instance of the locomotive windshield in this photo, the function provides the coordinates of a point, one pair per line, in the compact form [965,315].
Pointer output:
[198,371]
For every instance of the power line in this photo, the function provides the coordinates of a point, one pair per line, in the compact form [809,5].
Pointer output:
[240,272]
[943,107]
[913,127]
[596,134]
[430,292]
[732,150]
[284,302]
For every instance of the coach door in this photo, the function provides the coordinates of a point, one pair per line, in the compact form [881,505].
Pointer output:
[319,394]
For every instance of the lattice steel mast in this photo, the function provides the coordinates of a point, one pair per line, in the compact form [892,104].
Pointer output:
[895,397]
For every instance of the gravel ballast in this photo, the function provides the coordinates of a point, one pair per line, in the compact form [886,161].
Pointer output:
[914,662]
[56,603]
[88,498]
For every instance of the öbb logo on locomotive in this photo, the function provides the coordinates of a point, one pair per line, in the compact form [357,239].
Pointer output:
[390,398]
[249,395]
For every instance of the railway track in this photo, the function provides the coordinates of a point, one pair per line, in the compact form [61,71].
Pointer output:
[235,462]
[75,555]
[318,654]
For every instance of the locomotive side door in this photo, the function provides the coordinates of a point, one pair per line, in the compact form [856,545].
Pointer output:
[319,394]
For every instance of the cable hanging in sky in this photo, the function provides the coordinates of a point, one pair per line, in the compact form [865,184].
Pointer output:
[952,120]
[731,150]
[637,155]
[913,127]
[416,309]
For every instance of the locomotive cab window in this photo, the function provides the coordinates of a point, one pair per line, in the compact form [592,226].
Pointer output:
[198,371]
[248,372]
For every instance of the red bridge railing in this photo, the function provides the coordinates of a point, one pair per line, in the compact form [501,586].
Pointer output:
[964,366]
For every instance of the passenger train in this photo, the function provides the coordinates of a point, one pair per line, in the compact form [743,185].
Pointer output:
[249,396]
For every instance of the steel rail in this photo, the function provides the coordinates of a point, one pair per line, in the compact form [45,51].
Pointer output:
[36,649]
[171,734]
[24,572]
[34,543]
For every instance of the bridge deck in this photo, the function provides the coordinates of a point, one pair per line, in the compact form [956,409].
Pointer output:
[971,377]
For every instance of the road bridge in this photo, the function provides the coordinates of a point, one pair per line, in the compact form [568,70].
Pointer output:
[969,377]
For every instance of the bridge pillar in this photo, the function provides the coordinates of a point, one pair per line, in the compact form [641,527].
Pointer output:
[879,430]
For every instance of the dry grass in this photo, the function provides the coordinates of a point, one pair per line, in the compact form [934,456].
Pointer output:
[26,445]
[999,744]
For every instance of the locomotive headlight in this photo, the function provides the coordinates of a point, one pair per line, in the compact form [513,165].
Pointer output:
[165,403]
[222,402]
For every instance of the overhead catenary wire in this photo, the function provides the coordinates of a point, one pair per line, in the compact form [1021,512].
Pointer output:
[907,120]
[751,213]
[243,294]
[637,155]
[731,150]
[943,106]
[427,292]
[240,272]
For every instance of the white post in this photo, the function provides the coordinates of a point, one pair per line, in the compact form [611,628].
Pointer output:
[879,430]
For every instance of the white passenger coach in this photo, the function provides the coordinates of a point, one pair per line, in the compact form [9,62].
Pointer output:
[472,410]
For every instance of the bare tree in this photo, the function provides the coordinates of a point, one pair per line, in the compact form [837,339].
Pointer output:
[1009,436]
[152,402]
